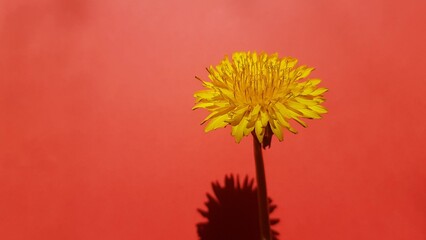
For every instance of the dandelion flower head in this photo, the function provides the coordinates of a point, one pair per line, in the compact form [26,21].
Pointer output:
[259,93]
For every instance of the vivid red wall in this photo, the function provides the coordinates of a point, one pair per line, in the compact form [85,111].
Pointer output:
[98,140]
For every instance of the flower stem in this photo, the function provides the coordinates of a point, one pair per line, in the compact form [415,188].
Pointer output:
[262,197]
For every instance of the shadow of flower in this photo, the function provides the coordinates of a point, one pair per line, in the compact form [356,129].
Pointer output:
[232,213]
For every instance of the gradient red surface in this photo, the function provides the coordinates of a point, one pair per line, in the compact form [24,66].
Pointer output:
[98,140]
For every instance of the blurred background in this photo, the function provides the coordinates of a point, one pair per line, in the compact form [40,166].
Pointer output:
[98,139]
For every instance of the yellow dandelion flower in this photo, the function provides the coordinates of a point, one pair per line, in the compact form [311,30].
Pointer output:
[259,93]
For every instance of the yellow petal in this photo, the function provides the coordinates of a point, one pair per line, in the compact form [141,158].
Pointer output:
[319,91]
[289,113]
[288,62]
[216,123]
[226,93]
[237,115]
[206,84]
[283,122]
[202,105]
[305,101]
[216,113]
[254,115]
[295,105]
[238,131]
[205,94]
[300,122]
[314,82]
[319,109]
[259,130]
[309,113]
[319,99]
[276,129]
[248,130]
[264,118]
[307,90]
[255,111]
[303,72]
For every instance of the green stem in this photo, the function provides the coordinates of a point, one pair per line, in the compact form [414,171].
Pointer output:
[262,197]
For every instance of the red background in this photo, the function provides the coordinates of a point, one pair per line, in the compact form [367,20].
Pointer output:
[98,140]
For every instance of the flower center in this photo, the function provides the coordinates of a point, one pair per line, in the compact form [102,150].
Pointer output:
[259,83]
